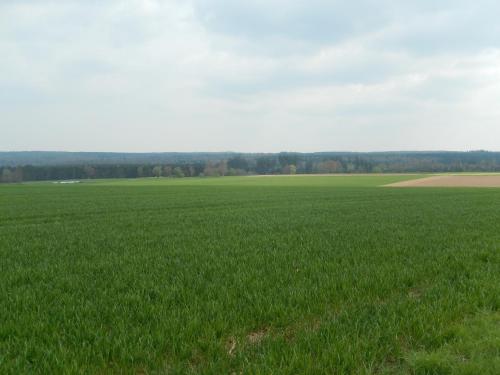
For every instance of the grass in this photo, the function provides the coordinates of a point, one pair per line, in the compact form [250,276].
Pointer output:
[248,274]
[474,348]
[263,181]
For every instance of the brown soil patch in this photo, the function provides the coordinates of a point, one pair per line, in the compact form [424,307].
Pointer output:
[256,337]
[332,175]
[231,346]
[452,181]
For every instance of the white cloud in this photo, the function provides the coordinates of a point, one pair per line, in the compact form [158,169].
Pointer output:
[152,75]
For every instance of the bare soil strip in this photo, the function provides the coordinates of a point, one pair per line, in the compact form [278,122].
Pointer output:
[451,181]
[333,175]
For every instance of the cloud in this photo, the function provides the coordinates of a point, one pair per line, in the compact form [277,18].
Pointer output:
[153,75]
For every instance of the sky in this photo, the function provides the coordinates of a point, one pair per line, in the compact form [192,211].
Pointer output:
[249,76]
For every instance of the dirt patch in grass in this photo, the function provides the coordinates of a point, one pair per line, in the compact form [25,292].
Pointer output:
[451,181]
[231,346]
[257,336]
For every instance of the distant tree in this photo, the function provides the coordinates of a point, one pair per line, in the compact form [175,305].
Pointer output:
[177,172]
[309,166]
[350,167]
[210,170]
[157,171]
[167,171]
[329,166]
[288,158]
[89,171]
[6,175]
[301,166]
[192,171]
[238,162]
[289,169]
[96,166]
[17,175]
[147,171]
[266,165]
[222,168]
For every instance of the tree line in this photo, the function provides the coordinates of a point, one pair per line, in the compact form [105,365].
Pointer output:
[224,164]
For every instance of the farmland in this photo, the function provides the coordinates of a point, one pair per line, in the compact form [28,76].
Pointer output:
[281,275]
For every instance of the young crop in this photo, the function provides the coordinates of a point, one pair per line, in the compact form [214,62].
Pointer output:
[274,275]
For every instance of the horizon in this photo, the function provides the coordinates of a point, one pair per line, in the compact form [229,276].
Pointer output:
[250,152]
[253,152]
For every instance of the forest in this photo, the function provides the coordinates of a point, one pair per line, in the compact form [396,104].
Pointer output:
[40,166]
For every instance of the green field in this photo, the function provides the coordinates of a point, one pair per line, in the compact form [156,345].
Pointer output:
[251,275]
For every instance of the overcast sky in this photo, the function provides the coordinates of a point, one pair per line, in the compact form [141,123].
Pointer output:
[260,75]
